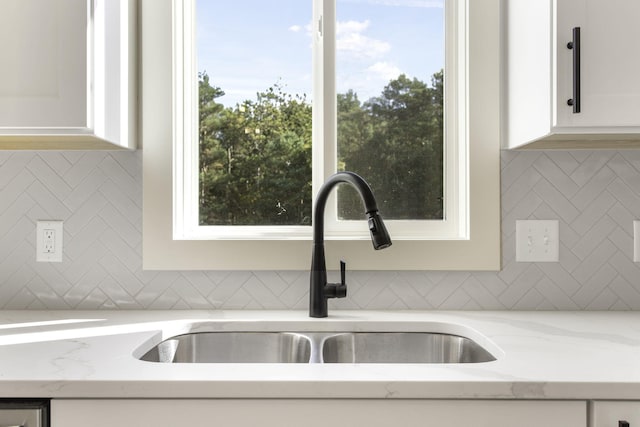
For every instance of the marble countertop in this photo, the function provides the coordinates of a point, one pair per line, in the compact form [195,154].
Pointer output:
[540,355]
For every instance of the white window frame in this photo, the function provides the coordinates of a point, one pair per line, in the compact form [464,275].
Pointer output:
[186,225]
[476,248]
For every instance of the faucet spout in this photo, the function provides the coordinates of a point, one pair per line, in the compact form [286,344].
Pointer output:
[320,290]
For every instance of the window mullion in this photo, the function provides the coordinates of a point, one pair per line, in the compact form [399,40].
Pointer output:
[328,143]
[324,103]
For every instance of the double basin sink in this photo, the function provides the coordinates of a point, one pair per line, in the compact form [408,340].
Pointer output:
[317,347]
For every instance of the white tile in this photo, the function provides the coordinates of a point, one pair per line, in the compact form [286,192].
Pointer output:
[552,173]
[590,166]
[457,299]
[114,242]
[622,240]
[625,267]
[56,160]
[531,300]
[188,294]
[77,267]
[408,294]
[165,301]
[120,224]
[84,190]
[622,217]
[564,160]
[519,189]
[480,295]
[594,262]
[228,287]
[593,188]
[14,226]
[200,281]
[627,197]
[76,245]
[593,194]
[592,213]
[491,282]
[627,293]
[556,200]
[520,287]
[238,300]
[49,177]
[121,178]
[512,171]
[386,298]
[446,288]
[594,237]
[14,189]
[553,293]
[261,294]
[595,286]
[604,301]
[557,273]
[82,168]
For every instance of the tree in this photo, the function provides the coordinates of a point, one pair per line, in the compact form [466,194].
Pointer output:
[258,166]
[255,158]
[401,156]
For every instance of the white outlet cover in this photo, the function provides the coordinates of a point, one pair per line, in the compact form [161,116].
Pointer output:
[41,254]
[537,241]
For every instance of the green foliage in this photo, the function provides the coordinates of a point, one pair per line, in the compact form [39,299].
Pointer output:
[255,158]
[394,141]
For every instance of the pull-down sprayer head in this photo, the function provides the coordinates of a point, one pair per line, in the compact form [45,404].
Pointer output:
[379,234]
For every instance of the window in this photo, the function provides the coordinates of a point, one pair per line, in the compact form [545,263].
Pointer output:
[253,61]
[255,119]
[471,243]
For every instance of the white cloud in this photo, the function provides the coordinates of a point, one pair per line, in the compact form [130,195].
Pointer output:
[350,40]
[347,27]
[295,28]
[385,70]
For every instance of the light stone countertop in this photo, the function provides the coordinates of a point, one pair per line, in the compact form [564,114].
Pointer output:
[540,355]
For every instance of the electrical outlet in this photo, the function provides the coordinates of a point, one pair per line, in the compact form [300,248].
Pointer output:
[49,241]
[537,241]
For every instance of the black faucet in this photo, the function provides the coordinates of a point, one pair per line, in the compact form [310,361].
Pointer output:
[320,290]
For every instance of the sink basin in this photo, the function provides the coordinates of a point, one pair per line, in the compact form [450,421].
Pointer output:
[399,347]
[318,347]
[232,347]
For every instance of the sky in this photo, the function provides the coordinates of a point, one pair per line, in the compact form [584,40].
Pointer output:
[246,46]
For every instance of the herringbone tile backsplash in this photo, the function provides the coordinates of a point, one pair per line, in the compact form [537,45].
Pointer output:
[594,194]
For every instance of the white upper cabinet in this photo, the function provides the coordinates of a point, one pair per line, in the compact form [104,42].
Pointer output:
[598,73]
[67,79]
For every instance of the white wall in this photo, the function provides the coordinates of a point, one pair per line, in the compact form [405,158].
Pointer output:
[594,194]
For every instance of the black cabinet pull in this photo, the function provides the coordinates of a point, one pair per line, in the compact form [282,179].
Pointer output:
[623,424]
[575,46]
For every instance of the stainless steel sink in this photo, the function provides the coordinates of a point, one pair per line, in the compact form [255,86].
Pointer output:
[318,347]
[400,347]
[232,347]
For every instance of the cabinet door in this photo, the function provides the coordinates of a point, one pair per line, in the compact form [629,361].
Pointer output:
[43,77]
[613,414]
[316,413]
[609,65]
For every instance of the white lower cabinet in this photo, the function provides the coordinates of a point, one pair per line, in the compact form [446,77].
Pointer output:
[316,413]
[614,414]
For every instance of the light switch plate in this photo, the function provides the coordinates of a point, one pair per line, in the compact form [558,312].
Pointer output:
[537,241]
